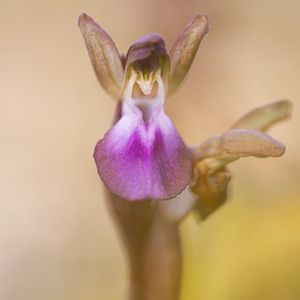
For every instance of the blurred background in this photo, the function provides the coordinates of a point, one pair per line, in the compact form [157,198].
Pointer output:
[57,240]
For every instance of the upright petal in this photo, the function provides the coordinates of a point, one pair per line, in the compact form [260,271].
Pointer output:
[185,48]
[104,55]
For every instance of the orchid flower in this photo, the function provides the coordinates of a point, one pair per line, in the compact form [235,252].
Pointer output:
[245,138]
[142,156]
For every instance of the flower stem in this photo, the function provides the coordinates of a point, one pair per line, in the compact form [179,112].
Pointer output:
[153,248]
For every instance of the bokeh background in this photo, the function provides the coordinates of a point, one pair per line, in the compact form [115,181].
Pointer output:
[57,240]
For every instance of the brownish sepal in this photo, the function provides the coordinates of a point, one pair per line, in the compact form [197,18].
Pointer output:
[211,189]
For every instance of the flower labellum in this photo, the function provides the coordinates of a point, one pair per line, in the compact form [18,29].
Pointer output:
[142,156]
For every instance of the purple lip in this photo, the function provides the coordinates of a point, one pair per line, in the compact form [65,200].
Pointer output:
[143,160]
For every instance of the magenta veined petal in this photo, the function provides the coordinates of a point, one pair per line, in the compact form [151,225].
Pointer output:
[143,160]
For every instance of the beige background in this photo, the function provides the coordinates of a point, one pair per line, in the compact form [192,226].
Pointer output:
[57,241]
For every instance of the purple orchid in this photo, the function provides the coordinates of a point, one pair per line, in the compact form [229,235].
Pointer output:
[142,156]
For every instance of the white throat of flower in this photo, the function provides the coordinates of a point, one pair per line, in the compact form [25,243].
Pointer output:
[145,97]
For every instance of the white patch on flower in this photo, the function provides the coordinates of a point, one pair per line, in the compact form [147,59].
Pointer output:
[142,116]
[146,86]
[144,106]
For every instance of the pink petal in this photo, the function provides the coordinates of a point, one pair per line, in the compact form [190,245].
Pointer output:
[143,160]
